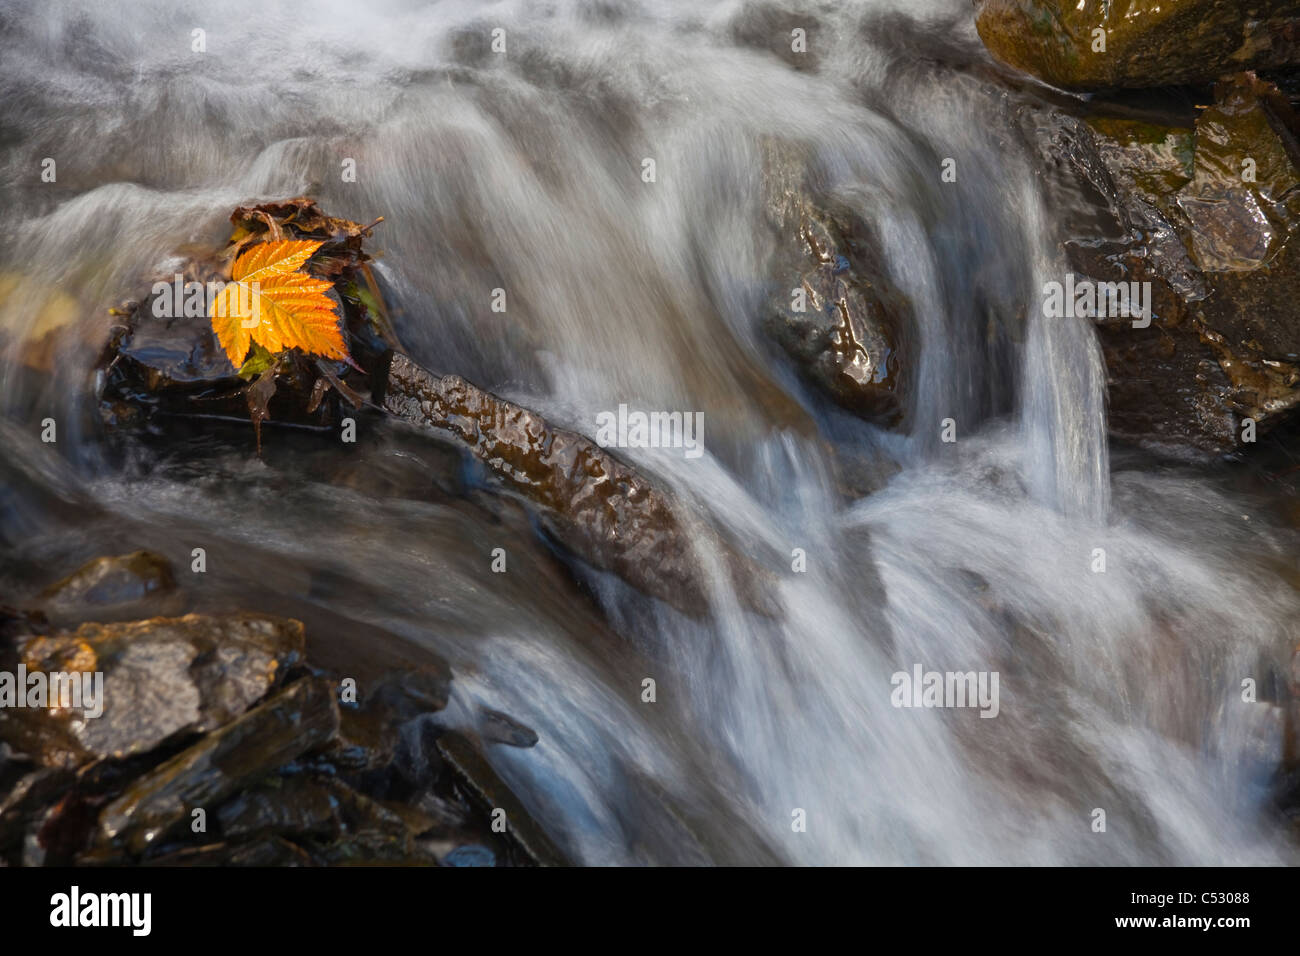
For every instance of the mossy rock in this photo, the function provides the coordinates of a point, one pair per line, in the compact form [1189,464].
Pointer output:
[1146,42]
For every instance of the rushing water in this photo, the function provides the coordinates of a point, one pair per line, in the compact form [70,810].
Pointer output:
[522,170]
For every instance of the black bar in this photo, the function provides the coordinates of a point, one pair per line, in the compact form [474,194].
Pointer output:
[271,906]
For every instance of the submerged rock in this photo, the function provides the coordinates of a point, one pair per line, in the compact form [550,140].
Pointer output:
[161,677]
[1146,42]
[593,503]
[108,585]
[503,729]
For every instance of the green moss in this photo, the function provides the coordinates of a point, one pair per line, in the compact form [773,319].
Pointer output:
[258,361]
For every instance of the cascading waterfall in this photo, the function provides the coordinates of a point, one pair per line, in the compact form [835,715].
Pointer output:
[522,171]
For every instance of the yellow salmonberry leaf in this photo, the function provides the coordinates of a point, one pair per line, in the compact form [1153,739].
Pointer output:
[270,302]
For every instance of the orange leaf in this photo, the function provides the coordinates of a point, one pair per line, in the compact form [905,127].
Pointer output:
[270,302]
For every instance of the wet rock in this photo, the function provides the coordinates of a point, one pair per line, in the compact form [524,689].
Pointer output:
[1167,391]
[834,311]
[1165,387]
[410,694]
[370,849]
[289,806]
[361,814]
[161,677]
[593,503]
[413,767]
[25,806]
[301,718]
[374,832]
[370,731]
[274,851]
[107,586]
[417,820]
[1215,237]
[1134,168]
[63,814]
[503,729]
[1147,42]
[280,784]
[1242,215]
[157,366]
[161,367]
[65,829]
[488,791]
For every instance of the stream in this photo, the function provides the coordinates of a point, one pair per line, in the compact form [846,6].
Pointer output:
[522,170]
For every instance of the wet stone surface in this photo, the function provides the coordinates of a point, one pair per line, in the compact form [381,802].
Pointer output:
[1147,42]
[1167,202]
[219,745]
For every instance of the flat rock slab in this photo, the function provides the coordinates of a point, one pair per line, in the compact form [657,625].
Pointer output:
[161,677]
[488,789]
[297,720]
